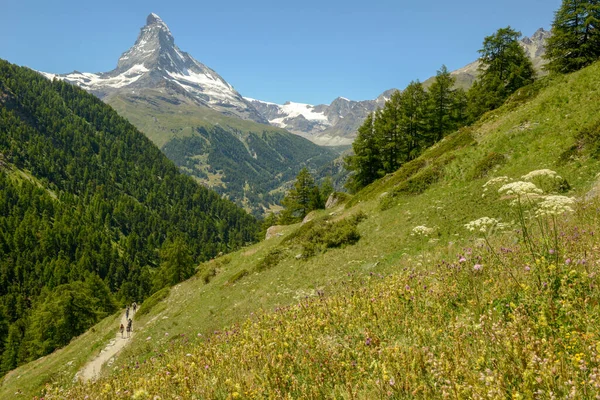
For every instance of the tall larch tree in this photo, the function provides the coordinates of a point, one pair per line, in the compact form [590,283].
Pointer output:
[390,137]
[504,67]
[575,40]
[365,163]
[413,120]
[441,98]
[302,198]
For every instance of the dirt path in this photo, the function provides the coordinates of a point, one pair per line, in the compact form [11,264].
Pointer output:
[91,371]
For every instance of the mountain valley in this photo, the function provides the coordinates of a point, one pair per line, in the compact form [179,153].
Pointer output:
[201,122]
[460,260]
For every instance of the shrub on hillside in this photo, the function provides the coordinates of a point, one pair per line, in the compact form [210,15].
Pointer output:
[589,137]
[321,237]
[270,260]
[152,301]
[487,164]
[237,276]
[414,185]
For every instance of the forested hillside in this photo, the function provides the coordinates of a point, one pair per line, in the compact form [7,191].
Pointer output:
[91,215]
[246,161]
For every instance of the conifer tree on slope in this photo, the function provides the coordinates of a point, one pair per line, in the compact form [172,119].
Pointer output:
[302,199]
[390,137]
[413,121]
[441,97]
[365,163]
[504,68]
[575,40]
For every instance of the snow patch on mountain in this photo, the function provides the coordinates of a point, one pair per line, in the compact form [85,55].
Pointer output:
[293,110]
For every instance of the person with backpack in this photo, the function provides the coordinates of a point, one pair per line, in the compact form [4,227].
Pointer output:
[122,329]
[134,307]
[129,327]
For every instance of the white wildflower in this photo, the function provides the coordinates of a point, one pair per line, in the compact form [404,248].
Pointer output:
[541,173]
[483,224]
[422,230]
[520,188]
[500,180]
[555,205]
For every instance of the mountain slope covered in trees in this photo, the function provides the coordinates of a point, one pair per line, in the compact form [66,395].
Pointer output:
[92,215]
[200,121]
[248,162]
[394,290]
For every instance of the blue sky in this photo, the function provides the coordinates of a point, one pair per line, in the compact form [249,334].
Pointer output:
[305,51]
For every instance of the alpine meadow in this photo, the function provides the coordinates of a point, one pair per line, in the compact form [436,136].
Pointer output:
[452,252]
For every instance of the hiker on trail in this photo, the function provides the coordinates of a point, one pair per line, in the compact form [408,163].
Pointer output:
[127,313]
[134,307]
[129,328]
[122,329]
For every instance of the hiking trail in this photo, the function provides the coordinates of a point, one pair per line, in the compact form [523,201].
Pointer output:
[91,370]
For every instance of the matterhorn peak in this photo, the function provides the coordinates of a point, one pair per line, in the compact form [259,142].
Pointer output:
[154,19]
[155,61]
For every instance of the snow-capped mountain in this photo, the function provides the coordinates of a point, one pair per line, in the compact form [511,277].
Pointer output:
[327,125]
[155,62]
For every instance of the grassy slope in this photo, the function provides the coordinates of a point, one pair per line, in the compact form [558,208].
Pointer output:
[531,134]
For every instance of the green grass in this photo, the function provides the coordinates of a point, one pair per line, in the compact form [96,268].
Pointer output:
[59,367]
[533,135]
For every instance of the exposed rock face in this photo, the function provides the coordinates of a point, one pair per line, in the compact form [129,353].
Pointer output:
[273,231]
[332,201]
[155,62]
[309,217]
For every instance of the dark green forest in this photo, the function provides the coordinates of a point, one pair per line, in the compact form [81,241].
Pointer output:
[92,215]
[253,164]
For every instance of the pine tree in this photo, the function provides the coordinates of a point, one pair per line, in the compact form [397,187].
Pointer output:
[413,121]
[302,199]
[441,97]
[326,188]
[390,137]
[176,265]
[504,68]
[504,60]
[365,163]
[575,40]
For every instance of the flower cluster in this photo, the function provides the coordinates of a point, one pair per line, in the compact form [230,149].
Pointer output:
[422,230]
[520,188]
[500,180]
[483,224]
[555,205]
[493,183]
[541,174]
